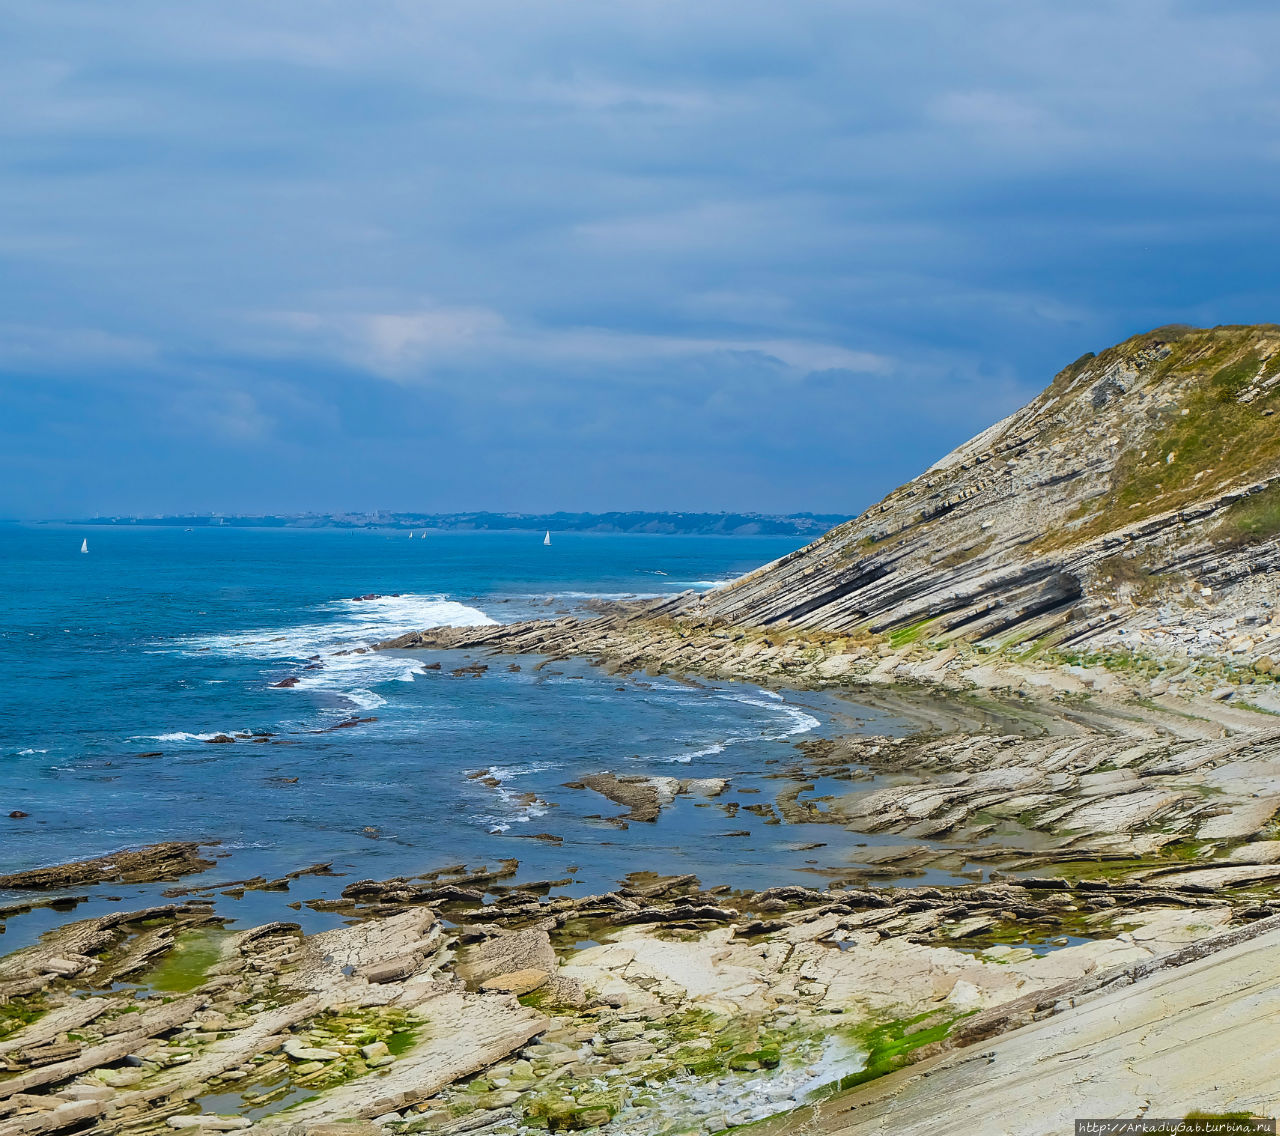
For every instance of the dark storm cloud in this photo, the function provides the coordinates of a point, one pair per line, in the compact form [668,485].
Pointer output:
[646,254]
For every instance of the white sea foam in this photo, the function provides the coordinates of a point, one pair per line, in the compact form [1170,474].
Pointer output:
[706,751]
[29,752]
[517,809]
[798,721]
[508,772]
[363,699]
[179,736]
[791,721]
[339,640]
[521,812]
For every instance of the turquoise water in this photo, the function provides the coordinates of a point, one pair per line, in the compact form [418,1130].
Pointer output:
[159,639]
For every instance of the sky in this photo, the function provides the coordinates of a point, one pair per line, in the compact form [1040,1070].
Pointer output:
[529,255]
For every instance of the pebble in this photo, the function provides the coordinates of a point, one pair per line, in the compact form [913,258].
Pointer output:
[300,1051]
[546,1049]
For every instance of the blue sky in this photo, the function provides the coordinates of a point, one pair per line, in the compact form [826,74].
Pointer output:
[540,254]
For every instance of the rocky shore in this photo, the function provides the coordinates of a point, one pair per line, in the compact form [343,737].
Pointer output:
[1084,597]
[457,1003]
[1112,849]
[1115,843]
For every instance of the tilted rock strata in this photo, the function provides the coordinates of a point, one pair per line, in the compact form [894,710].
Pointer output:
[1138,473]
[749,985]
[1106,794]
[669,636]
[1137,496]
[264,1006]
[1195,1035]
[167,861]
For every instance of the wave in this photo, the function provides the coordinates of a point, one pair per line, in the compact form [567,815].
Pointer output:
[521,807]
[794,721]
[333,654]
[800,722]
[507,772]
[706,751]
[181,736]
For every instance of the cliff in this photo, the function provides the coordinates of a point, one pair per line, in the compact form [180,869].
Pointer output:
[1138,491]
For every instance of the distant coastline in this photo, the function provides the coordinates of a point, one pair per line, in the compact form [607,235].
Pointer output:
[710,524]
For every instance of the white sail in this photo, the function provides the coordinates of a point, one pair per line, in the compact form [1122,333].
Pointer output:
[547,539]
[84,546]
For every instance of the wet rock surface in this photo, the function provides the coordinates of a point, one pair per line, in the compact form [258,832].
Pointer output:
[167,861]
[646,797]
[484,1010]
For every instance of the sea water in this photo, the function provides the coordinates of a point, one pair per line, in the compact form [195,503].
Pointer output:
[118,666]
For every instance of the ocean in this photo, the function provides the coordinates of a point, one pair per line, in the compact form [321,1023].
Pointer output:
[118,666]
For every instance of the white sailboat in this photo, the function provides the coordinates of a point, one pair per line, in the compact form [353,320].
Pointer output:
[84,545]
[547,539]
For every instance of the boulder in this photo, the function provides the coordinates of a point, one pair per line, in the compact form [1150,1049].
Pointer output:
[566,993]
[393,970]
[704,786]
[120,1078]
[1257,852]
[65,968]
[516,982]
[301,1051]
[504,954]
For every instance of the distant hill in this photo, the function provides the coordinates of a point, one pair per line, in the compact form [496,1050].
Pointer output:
[712,524]
[1143,482]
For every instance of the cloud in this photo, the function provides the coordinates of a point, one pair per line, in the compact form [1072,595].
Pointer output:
[397,343]
[417,344]
[26,347]
[716,254]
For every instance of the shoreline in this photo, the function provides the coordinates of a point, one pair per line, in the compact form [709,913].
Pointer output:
[1159,843]
[689,962]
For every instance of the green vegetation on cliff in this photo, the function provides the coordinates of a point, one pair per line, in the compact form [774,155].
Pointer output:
[1203,420]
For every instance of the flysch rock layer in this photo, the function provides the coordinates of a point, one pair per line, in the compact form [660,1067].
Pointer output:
[1135,505]
[1196,1037]
[706,1009]
[1135,483]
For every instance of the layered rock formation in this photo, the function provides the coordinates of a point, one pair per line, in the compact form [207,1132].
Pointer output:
[1135,502]
[1142,476]
[686,1015]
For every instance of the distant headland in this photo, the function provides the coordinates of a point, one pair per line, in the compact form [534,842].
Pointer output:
[710,524]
